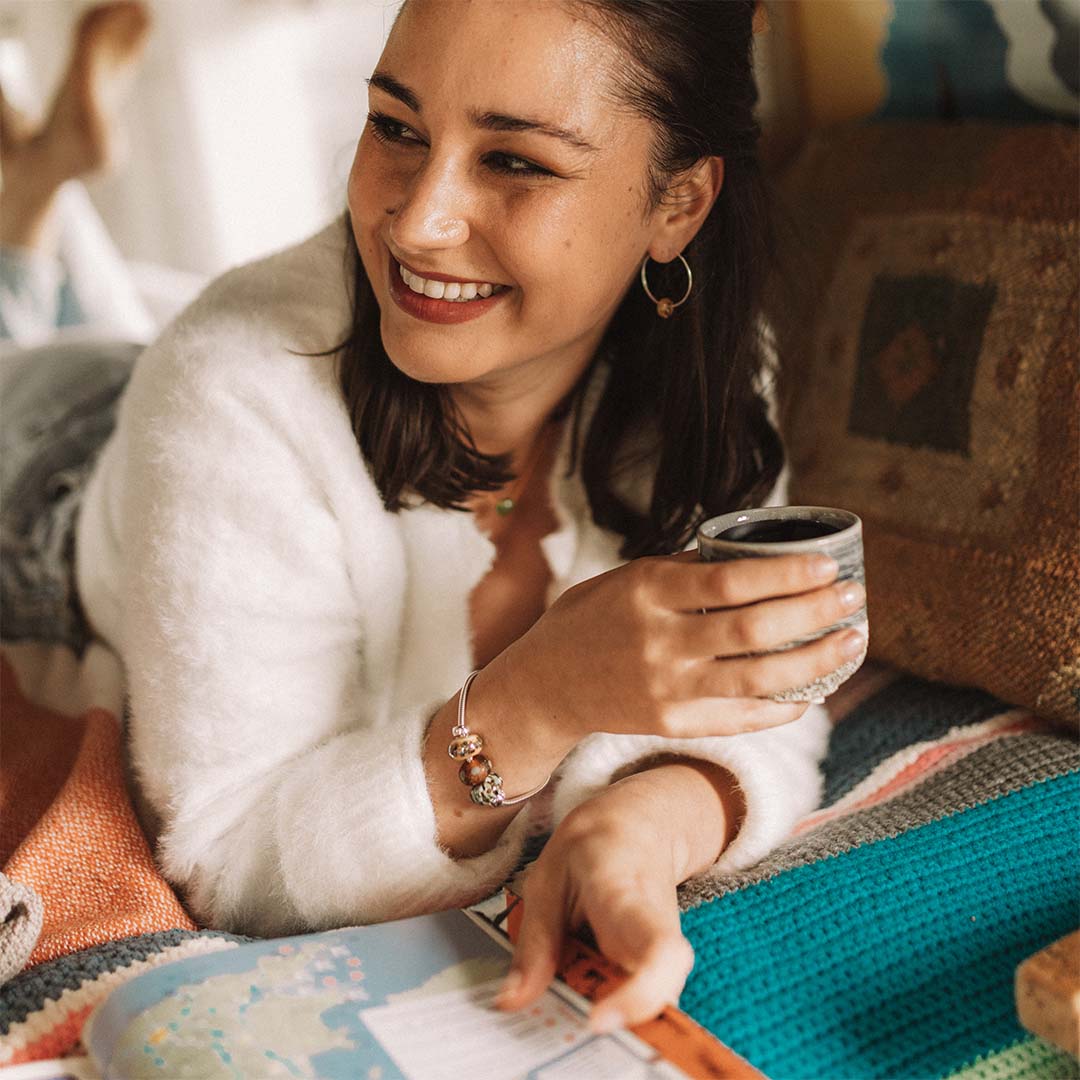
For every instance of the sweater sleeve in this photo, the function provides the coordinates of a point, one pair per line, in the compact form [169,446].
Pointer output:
[288,785]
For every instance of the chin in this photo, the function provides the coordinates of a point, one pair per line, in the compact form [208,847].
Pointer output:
[426,364]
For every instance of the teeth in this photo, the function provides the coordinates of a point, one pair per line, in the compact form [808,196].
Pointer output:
[457,292]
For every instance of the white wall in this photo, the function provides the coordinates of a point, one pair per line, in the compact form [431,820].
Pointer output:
[242,124]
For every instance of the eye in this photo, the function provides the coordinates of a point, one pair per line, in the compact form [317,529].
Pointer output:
[510,165]
[387,129]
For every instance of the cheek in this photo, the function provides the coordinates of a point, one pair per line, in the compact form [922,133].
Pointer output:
[577,258]
[374,186]
[369,192]
[363,186]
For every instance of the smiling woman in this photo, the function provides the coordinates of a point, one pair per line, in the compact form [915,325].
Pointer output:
[550,176]
[452,442]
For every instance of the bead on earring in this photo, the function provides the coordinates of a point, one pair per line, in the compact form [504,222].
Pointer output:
[665,305]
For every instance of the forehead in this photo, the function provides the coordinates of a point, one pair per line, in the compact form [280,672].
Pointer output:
[520,57]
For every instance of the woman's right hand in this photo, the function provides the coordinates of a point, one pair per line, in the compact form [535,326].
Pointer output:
[630,652]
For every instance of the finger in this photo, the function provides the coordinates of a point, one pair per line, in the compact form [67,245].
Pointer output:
[657,980]
[773,673]
[767,624]
[684,584]
[637,926]
[717,715]
[539,944]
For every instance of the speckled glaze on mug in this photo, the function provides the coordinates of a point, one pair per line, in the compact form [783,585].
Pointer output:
[844,544]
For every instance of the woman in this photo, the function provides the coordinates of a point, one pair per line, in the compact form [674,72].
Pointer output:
[301,551]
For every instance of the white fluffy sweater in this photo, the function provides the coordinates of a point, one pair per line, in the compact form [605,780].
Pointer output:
[286,639]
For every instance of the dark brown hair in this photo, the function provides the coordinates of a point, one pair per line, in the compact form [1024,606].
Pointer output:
[689,382]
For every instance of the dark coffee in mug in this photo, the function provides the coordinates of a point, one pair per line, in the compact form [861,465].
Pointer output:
[778,532]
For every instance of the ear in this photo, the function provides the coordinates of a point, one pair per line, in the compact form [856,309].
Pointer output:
[685,207]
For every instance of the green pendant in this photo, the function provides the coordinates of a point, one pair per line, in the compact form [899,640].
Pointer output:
[504,506]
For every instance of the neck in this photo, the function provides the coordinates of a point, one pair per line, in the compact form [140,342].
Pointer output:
[505,417]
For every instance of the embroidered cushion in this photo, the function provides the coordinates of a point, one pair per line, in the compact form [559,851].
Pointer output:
[928,324]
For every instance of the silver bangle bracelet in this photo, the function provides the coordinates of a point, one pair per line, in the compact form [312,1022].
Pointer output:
[477,772]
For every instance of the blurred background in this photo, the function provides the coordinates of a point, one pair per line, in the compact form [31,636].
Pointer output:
[241,127]
[245,116]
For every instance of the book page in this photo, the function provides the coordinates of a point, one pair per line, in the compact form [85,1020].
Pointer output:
[410,999]
[417,1032]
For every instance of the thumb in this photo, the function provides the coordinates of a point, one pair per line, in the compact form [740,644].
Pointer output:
[536,956]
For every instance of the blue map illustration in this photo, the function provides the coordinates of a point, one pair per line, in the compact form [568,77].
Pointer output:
[409,999]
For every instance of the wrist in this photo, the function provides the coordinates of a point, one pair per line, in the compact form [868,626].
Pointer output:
[700,803]
[656,811]
[515,699]
[521,747]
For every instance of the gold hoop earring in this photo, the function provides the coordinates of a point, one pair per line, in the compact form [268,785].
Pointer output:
[665,306]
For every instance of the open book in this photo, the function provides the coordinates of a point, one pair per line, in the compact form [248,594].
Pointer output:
[404,999]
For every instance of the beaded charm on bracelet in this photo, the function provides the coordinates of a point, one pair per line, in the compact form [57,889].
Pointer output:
[476,772]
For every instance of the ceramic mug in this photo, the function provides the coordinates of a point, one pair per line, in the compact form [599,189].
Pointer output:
[795,530]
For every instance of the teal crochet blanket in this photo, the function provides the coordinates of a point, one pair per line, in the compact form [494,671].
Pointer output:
[882,940]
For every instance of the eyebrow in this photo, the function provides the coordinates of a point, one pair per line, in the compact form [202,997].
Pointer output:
[489,121]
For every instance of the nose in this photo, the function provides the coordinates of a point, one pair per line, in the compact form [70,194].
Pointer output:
[433,211]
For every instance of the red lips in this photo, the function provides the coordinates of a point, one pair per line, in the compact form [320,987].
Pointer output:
[438,311]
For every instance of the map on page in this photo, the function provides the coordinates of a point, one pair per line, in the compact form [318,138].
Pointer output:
[410,999]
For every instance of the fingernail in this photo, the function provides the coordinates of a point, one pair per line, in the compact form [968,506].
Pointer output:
[853,595]
[511,985]
[852,644]
[604,1019]
[822,567]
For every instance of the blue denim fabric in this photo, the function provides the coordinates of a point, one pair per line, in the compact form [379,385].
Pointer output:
[57,408]
[36,296]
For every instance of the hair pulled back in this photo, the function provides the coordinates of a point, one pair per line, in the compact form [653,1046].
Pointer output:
[691,382]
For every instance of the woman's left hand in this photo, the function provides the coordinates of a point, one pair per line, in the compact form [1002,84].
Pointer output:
[614,862]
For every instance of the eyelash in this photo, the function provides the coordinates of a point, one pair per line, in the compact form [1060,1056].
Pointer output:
[387,129]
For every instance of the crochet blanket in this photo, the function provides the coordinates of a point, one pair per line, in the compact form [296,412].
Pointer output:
[882,939]
[879,941]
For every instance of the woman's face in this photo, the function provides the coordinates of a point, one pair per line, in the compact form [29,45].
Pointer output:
[496,158]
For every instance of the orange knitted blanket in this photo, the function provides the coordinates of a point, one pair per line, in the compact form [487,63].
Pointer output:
[69,831]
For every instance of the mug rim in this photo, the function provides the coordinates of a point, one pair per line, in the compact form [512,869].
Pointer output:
[851,522]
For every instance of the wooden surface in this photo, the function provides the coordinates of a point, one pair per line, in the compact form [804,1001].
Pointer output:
[1048,993]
